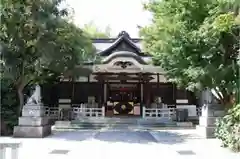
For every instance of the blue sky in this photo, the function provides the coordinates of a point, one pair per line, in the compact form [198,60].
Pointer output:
[118,14]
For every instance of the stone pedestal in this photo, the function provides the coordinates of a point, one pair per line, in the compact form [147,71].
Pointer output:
[33,122]
[210,113]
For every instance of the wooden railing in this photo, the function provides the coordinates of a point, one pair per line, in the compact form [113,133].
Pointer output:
[199,111]
[87,112]
[84,110]
[52,112]
[14,150]
[158,112]
[78,111]
[168,112]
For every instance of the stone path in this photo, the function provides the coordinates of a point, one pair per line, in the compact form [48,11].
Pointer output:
[109,144]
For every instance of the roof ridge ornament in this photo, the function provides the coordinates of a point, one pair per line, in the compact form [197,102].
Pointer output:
[124,33]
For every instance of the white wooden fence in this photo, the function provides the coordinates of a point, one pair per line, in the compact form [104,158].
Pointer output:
[13,147]
[78,111]
[158,112]
[87,112]
[52,112]
[170,112]
[84,110]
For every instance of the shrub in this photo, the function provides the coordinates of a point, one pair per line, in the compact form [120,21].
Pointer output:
[228,129]
[9,106]
[9,109]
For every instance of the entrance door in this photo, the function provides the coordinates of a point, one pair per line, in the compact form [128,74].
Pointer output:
[124,105]
[122,100]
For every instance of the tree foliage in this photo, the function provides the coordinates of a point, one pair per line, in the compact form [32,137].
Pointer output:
[197,43]
[38,42]
[94,32]
[9,109]
[228,129]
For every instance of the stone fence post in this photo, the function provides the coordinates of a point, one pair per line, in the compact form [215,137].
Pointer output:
[14,150]
[143,111]
[207,120]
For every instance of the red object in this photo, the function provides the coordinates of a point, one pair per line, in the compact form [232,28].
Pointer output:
[123,89]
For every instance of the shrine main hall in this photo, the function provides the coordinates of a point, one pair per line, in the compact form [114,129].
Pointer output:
[124,83]
[121,88]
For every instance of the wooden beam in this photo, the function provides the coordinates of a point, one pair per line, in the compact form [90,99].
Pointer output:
[143,78]
[113,73]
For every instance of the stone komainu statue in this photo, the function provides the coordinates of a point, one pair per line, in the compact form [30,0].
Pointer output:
[36,97]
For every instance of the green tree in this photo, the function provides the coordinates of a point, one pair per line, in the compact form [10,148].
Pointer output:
[38,42]
[94,32]
[197,43]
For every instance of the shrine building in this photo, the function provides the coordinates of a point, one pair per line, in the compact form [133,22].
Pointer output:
[123,83]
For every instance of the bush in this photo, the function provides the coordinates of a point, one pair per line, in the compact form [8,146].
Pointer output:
[9,108]
[228,129]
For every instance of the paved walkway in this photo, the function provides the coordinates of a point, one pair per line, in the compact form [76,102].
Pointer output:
[109,144]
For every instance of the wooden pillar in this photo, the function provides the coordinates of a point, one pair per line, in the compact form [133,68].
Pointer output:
[88,79]
[148,95]
[158,83]
[174,93]
[73,90]
[105,107]
[141,92]
[105,93]
[100,104]
[142,105]
[158,91]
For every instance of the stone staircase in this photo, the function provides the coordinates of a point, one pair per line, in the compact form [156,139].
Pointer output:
[115,123]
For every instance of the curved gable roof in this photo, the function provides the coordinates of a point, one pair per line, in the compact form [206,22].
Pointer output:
[123,54]
[123,37]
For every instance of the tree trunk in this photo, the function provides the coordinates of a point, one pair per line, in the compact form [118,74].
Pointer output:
[21,99]
[228,101]
[3,128]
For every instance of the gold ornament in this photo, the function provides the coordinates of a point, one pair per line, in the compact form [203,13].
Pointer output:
[123,107]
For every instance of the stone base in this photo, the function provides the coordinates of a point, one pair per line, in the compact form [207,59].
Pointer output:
[33,110]
[184,124]
[51,121]
[206,132]
[62,124]
[33,121]
[31,131]
[208,121]
[67,123]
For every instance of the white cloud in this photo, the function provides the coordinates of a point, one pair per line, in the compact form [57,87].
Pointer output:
[118,14]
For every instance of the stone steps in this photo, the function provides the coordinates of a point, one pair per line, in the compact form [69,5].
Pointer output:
[117,123]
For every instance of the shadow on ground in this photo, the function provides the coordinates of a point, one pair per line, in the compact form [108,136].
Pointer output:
[73,135]
[171,137]
[123,136]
